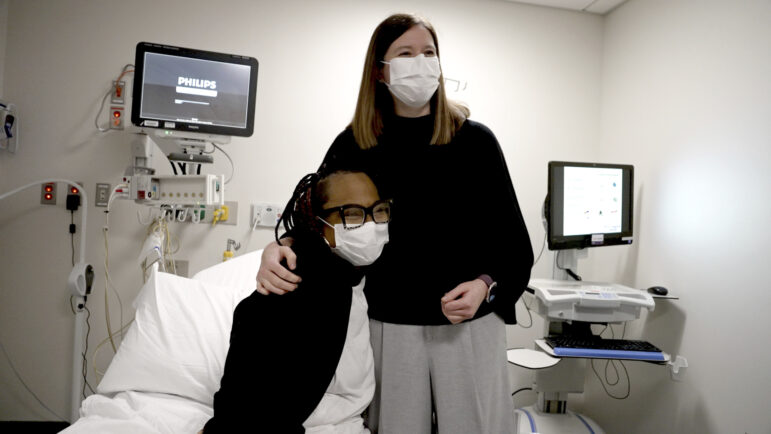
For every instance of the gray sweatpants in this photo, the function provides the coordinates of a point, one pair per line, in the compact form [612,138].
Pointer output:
[459,371]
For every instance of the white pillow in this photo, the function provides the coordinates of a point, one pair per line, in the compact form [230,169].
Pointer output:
[180,336]
[240,271]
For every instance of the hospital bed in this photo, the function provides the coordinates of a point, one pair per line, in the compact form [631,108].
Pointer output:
[168,367]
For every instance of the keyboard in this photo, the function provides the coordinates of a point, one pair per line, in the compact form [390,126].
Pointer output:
[595,347]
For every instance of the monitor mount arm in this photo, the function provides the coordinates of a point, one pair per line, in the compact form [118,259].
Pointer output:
[565,260]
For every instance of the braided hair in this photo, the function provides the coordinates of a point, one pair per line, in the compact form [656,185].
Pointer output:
[306,202]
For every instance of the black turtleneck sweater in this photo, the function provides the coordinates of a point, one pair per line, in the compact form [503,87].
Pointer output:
[455,217]
[284,350]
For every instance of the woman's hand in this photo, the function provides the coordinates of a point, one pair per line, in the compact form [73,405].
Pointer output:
[272,276]
[462,302]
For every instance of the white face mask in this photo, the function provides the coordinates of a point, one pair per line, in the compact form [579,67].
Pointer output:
[414,79]
[360,246]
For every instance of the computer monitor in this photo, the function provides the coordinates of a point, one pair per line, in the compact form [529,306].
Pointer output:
[589,204]
[187,90]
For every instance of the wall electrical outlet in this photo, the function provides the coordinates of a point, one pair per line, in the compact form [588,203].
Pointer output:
[118,92]
[102,194]
[74,196]
[265,215]
[72,189]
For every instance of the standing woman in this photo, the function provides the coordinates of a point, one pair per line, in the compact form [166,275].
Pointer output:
[459,255]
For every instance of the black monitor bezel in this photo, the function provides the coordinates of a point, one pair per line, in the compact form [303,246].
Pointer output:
[148,47]
[562,242]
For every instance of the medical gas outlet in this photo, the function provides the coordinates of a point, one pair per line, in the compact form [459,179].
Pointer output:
[190,190]
[117,105]
[118,92]
[116,117]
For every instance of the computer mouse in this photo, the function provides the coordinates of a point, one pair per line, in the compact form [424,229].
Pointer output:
[658,290]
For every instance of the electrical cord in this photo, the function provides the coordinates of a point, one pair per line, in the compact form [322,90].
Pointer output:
[629,382]
[84,218]
[623,332]
[607,377]
[85,353]
[520,390]
[18,376]
[101,107]
[529,314]
[108,284]
[170,249]
[167,249]
[573,274]
[608,364]
[232,166]
[543,245]
[146,267]
[72,236]
[567,270]
[545,222]
[570,272]
[99,374]
[107,277]
[85,365]
[104,99]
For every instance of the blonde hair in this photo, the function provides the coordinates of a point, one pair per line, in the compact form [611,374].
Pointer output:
[375,100]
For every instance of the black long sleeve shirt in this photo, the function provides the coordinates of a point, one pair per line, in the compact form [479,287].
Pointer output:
[284,350]
[455,217]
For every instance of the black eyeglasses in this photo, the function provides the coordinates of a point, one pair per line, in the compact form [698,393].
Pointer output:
[354,216]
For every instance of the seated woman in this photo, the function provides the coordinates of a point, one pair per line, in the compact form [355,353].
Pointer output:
[313,371]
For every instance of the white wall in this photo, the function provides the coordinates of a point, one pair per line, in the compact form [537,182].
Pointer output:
[3,35]
[533,77]
[686,98]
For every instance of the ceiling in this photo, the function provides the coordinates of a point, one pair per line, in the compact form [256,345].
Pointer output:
[600,7]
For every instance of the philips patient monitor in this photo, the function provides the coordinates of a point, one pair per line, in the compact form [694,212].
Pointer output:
[185,90]
[589,205]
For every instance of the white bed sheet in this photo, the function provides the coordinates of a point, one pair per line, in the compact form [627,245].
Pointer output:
[140,412]
[134,412]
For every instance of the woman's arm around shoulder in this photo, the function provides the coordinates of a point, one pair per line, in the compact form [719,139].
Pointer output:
[273,276]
